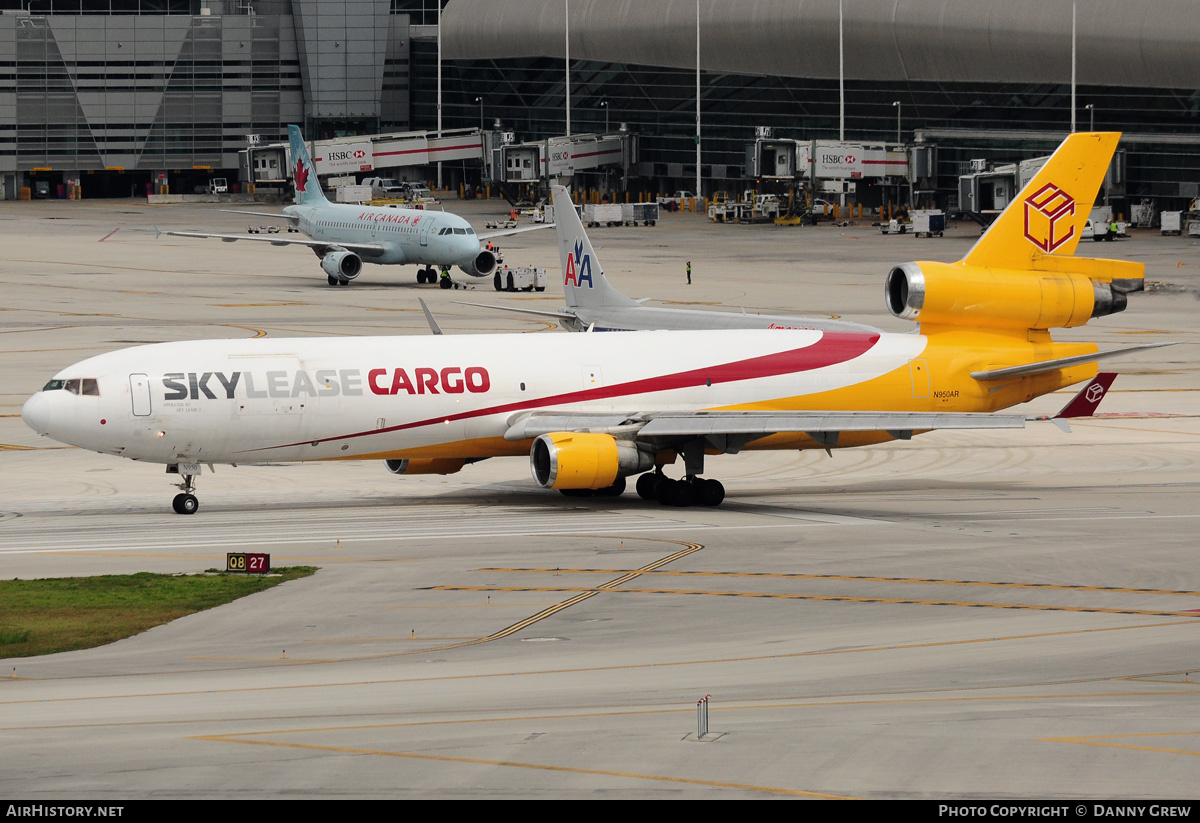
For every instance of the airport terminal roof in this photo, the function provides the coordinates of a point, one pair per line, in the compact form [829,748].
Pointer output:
[1150,43]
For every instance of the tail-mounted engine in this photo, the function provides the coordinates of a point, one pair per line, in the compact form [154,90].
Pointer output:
[1062,292]
[582,460]
[344,265]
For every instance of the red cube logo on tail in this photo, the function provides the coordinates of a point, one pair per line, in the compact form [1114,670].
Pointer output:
[1049,217]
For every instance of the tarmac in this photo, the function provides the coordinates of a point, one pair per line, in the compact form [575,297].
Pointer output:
[968,615]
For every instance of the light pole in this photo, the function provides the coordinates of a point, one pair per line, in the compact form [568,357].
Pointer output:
[1091,107]
[567,62]
[604,103]
[479,100]
[896,104]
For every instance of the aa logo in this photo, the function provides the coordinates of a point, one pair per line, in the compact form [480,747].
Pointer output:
[579,268]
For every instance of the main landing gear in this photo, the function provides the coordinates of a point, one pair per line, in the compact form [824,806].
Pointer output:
[689,491]
[185,502]
[337,281]
[427,275]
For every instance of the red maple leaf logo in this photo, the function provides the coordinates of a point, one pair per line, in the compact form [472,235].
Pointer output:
[301,176]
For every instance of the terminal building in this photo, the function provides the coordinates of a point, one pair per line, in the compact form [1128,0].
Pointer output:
[121,95]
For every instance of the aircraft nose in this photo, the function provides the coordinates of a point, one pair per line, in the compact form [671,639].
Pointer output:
[36,413]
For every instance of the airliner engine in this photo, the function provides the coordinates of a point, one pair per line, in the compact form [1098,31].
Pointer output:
[344,265]
[483,265]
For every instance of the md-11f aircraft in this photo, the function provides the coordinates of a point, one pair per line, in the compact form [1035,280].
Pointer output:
[594,304]
[591,410]
[345,236]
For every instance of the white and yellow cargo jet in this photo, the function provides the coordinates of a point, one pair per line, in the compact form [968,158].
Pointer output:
[345,236]
[593,409]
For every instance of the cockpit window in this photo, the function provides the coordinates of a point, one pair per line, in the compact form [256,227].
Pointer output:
[460,231]
[443,231]
[87,386]
[470,230]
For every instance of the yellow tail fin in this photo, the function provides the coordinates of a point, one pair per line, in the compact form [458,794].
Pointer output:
[1047,217]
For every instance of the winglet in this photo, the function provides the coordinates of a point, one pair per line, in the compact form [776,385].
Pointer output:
[433,326]
[1084,403]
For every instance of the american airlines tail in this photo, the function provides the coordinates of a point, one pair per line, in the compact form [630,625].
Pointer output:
[304,174]
[583,279]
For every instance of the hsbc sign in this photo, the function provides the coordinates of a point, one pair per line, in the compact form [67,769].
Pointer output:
[346,157]
[840,160]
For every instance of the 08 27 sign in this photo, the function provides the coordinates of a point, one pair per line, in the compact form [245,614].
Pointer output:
[247,562]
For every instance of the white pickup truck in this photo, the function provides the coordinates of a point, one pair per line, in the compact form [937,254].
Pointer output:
[676,200]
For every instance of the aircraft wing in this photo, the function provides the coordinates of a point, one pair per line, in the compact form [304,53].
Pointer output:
[558,315]
[274,215]
[507,232]
[823,426]
[276,240]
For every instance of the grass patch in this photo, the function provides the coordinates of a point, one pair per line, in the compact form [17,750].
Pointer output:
[67,613]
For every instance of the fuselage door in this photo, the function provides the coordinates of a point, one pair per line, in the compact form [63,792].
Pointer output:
[920,379]
[139,391]
[426,225]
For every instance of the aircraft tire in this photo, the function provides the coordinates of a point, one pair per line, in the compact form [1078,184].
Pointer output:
[511,285]
[333,281]
[709,492]
[185,504]
[576,492]
[645,485]
[497,282]
[662,489]
[615,490]
[681,494]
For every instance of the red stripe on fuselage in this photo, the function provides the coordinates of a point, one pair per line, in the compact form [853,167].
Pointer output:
[831,349]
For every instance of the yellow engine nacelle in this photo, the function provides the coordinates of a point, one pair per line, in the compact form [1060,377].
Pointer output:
[425,465]
[951,294]
[582,460]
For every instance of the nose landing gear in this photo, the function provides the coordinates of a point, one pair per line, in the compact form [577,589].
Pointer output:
[185,502]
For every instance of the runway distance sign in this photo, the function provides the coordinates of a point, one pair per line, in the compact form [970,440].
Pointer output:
[247,562]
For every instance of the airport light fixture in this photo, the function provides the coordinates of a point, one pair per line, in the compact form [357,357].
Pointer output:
[604,105]
[1091,107]
[897,105]
[479,100]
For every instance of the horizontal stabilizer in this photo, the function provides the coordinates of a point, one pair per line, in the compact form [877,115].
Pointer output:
[1058,363]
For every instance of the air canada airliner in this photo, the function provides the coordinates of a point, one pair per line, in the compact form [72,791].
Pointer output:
[591,410]
[345,236]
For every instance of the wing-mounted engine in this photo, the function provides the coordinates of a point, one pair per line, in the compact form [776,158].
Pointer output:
[425,465]
[484,264]
[582,460]
[344,265]
[1060,292]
